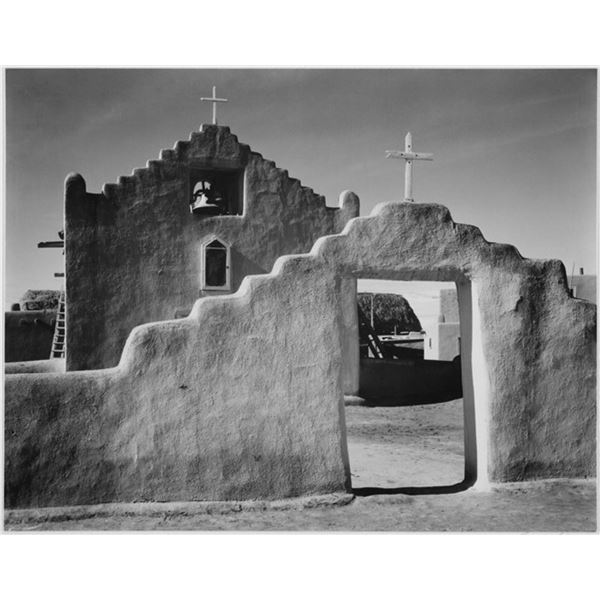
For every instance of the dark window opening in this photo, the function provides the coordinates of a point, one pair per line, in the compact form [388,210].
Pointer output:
[216,192]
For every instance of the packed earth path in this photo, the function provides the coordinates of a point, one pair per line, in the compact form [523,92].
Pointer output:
[406,446]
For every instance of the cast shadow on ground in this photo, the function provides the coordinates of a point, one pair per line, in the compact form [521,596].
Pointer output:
[415,491]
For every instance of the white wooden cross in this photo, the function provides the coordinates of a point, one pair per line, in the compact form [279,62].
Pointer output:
[408,155]
[214,100]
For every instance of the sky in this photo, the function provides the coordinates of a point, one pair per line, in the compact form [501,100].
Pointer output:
[514,150]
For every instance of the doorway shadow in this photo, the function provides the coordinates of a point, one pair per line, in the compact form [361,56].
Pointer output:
[464,485]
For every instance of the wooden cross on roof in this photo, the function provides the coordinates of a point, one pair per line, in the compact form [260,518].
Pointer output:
[214,101]
[408,155]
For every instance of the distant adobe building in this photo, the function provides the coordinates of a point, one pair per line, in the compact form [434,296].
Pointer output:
[194,223]
[443,338]
[29,326]
[583,286]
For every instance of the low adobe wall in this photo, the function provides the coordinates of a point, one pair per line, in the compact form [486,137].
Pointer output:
[50,365]
[203,408]
[243,399]
[28,334]
[404,382]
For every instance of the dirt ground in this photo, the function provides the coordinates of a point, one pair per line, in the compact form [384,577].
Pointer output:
[406,445]
[389,447]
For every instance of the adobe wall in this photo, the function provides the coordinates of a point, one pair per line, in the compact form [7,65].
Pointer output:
[449,306]
[240,400]
[132,253]
[405,382]
[584,286]
[442,341]
[443,338]
[49,365]
[534,348]
[28,335]
[244,398]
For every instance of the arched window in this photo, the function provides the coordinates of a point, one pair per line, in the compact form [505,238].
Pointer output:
[215,271]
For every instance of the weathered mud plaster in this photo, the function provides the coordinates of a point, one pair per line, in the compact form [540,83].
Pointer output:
[243,399]
[50,365]
[133,252]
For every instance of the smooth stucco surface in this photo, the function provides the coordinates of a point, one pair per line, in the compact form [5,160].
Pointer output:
[244,398]
[50,365]
[133,251]
[442,343]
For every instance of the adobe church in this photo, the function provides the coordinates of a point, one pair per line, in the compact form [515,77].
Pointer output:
[211,335]
[192,224]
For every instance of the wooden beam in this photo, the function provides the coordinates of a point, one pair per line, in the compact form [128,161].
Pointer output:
[57,244]
[408,155]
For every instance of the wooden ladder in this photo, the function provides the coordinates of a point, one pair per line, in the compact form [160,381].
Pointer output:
[366,331]
[59,341]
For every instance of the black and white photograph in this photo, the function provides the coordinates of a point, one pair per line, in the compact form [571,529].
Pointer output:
[300,299]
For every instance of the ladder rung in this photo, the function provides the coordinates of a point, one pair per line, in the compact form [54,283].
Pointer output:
[58,340]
